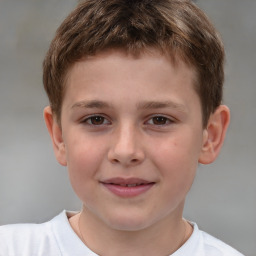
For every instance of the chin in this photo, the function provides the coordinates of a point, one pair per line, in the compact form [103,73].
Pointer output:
[129,222]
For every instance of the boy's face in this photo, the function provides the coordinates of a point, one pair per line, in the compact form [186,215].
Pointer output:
[135,121]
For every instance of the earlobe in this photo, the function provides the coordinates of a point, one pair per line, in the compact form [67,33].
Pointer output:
[56,136]
[214,134]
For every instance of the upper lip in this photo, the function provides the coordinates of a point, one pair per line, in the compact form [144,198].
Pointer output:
[126,181]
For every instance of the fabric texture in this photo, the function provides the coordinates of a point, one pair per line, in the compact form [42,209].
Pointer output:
[57,238]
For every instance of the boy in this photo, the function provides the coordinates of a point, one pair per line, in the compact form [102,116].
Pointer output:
[135,90]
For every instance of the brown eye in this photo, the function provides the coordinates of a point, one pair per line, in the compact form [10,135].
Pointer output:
[96,120]
[160,120]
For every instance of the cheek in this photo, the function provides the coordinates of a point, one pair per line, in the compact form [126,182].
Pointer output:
[83,152]
[177,159]
[84,158]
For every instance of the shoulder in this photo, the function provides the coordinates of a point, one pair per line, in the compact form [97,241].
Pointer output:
[19,231]
[27,239]
[53,238]
[215,247]
[202,244]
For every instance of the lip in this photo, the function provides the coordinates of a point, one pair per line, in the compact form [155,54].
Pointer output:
[131,187]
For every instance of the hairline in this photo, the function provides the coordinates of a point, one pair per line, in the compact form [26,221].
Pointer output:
[174,57]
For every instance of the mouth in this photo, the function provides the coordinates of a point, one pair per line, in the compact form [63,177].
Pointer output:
[127,187]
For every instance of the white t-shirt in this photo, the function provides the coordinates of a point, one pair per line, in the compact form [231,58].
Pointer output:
[56,237]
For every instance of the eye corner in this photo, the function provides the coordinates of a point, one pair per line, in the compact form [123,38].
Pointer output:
[96,120]
[160,120]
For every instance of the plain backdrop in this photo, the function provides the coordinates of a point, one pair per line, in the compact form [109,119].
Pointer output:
[34,188]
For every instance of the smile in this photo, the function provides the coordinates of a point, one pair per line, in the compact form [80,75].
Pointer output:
[127,187]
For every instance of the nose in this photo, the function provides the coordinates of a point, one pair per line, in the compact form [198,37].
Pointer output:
[126,148]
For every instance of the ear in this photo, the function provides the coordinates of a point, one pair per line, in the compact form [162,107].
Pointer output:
[56,135]
[214,134]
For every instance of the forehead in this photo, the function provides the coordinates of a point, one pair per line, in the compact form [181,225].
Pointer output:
[120,76]
[147,55]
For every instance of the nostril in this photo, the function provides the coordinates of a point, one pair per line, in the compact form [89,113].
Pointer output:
[115,161]
[125,157]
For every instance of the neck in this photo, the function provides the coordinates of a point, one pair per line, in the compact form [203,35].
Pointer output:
[168,234]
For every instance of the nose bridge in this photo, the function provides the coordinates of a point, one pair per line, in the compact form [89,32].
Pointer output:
[126,148]
[126,138]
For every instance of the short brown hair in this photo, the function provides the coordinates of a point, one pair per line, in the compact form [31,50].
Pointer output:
[176,27]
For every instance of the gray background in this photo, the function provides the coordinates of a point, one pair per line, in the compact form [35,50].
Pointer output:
[34,188]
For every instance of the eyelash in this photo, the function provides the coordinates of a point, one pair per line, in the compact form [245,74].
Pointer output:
[88,120]
[166,120]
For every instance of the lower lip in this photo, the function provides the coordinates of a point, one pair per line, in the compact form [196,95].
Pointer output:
[128,191]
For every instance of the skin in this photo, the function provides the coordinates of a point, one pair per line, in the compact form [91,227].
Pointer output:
[148,126]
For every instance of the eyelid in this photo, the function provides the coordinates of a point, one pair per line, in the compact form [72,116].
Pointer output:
[170,120]
[85,119]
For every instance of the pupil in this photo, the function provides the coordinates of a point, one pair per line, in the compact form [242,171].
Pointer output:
[159,120]
[97,120]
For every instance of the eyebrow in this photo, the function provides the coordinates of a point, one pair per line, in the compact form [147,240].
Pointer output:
[161,104]
[142,105]
[91,104]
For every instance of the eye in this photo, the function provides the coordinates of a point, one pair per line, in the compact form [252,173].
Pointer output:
[159,120]
[96,120]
